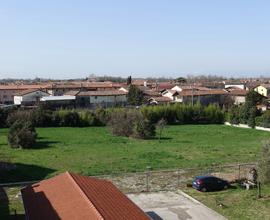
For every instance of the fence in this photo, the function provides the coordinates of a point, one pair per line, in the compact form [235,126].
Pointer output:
[170,180]
[166,180]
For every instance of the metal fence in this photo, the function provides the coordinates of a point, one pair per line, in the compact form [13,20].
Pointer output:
[166,180]
[169,180]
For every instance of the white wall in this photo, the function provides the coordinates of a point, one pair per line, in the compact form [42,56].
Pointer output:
[239,100]
[107,99]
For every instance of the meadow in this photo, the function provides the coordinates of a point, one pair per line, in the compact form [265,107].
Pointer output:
[94,151]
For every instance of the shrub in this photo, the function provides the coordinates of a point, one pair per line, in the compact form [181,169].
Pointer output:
[122,122]
[3,117]
[87,118]
[234,115]
[20,115]
[143,128]
[102,116]
[68,118]
[22,134]
[130,123]
[266,119]
[43,118]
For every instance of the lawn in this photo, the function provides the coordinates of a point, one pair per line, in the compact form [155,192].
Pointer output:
[94,151]
[237,203]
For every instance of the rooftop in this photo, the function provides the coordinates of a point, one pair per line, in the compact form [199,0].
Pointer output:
[58,98]
[71,196]
[102,93]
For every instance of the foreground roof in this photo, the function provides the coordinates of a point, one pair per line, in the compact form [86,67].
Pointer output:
[71,196]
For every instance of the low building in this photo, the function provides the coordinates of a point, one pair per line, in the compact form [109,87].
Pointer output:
[106,98]
[7,92]
[71,196]
[204,97]
[173,95]
[29,97]
[59,101]
[159,100]
[61,89]
[238,95]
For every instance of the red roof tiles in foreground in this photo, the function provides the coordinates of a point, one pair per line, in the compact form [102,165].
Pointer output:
[71,196]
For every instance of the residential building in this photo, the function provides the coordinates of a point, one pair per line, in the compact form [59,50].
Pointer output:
[29,97]
[238,95]
[173,95]
[7,92]
[106,98]
[263,89]
[71,196]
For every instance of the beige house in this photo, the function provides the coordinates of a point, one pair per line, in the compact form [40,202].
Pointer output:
[173,95]
[263,90]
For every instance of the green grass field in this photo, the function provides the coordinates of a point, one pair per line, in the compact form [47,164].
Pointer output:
[237,204]
[94,151]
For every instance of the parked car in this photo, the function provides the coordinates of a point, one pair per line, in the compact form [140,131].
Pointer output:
[209,183]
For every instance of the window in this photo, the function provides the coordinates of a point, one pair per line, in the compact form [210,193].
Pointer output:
[95,97]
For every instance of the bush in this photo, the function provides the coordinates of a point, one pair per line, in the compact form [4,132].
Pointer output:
[20,115]
[43,118]
[68,118]
[143,129]
[130,123]
[266,119]
[184,114]
[22,134]
[122,122]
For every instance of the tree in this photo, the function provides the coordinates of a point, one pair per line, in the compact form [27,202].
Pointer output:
[135,95]
[252,116]
[129,80]
[253,98]
[181,80]
[160,127]
[264,163]
[22,134]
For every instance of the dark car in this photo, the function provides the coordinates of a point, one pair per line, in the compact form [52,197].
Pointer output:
[209,183]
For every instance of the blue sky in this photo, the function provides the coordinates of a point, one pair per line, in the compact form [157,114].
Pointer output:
[66,39]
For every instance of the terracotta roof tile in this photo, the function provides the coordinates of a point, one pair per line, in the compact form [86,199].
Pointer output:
[102,93]
[71,196]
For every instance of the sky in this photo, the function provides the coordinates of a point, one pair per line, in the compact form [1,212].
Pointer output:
[142,38]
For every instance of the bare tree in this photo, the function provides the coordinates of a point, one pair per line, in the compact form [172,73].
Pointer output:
[160,127]
[264,163]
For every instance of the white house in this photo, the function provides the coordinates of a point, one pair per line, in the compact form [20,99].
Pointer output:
[29,97]
[173,95]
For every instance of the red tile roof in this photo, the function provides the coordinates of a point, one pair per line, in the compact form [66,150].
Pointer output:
[71,196]
[25,92]
[203,92]
[102,93]
[238,92]
[22,87]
